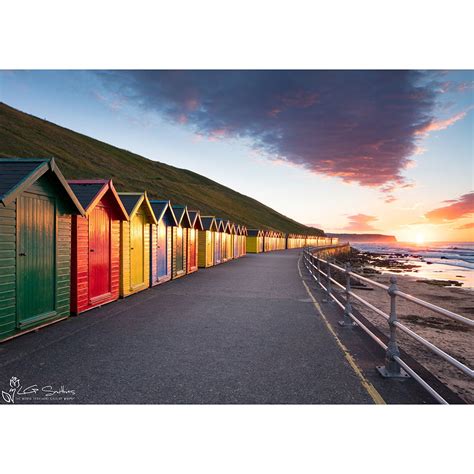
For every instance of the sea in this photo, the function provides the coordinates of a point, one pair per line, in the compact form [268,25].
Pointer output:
[436,260]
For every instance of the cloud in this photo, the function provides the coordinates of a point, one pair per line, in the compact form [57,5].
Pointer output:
[360,222]
[359,126]
[469,225]
[456,209]
[441,124]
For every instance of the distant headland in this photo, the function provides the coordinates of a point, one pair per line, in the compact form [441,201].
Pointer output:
[363,237]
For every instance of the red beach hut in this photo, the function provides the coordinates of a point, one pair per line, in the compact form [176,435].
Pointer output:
[95,256]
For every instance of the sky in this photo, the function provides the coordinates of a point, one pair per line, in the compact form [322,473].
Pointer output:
[347,151]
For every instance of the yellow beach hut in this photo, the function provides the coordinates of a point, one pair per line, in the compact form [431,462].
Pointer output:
[255,241]
[206,241]
[135,243]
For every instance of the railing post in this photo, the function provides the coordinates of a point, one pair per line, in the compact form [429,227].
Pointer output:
[347,321]
[329,284]
[318,264]
[392,368]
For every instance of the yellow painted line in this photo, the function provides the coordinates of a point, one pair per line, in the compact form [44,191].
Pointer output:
[371,390]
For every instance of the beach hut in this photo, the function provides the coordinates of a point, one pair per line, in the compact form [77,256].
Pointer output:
[206,241]
[225,241]
[229,244]
[180,242]
[36,205]
[135,243]
[218,241]
[193,240]
[236,241]
[281,241]
[161,242]
[267,240]
[255,241]
[95,258]
[243,241]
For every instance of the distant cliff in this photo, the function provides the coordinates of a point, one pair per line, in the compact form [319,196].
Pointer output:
[363,237]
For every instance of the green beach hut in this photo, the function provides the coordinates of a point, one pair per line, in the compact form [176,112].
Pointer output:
[36,204]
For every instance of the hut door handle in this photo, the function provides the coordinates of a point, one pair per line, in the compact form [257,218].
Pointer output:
[131,248]
[92,250]
[22,254]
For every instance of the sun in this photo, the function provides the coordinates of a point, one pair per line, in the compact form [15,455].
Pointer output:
[420,238]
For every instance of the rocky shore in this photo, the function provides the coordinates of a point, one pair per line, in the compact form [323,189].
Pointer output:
[369,263]
[453,337]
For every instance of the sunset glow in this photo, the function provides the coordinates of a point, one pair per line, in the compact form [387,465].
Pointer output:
[419,239]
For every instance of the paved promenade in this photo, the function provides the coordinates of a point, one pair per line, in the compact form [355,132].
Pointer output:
[243,332]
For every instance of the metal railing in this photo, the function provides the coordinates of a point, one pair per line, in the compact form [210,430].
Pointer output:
[394,366]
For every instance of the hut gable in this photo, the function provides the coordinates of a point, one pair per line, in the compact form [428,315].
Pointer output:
[164,211]
[182,216]
[209,223]
[196,221]
[19,174]
[91,192]
[132,202]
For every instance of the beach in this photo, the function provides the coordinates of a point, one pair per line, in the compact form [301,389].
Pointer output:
[451,336]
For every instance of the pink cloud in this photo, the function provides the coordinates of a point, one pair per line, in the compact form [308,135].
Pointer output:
[360,222]
[359,126]
[441,124]
[457,209]
[470,225]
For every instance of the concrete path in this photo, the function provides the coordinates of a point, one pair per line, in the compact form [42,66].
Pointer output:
[243,332]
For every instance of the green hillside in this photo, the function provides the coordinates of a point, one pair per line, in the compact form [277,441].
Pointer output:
[79,156]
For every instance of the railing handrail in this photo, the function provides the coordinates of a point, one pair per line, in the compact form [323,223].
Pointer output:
[394,363]
[406,296]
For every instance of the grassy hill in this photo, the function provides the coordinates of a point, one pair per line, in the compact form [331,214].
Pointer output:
[79,156]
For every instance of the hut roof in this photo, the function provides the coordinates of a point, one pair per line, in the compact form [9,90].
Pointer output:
[17,174]
[209,223]
[254,233]
[182,216]
[195,217]
[133,201]
[89,192]
[163,210]
[220,224]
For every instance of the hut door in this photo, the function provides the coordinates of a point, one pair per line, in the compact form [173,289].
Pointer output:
[209,247]
[217,243]
[36,258]
[137,240]
[162,250]
[99,253]
[192,248]
[179,250]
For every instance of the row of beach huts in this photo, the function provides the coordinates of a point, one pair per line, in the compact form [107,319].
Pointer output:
[70,246]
